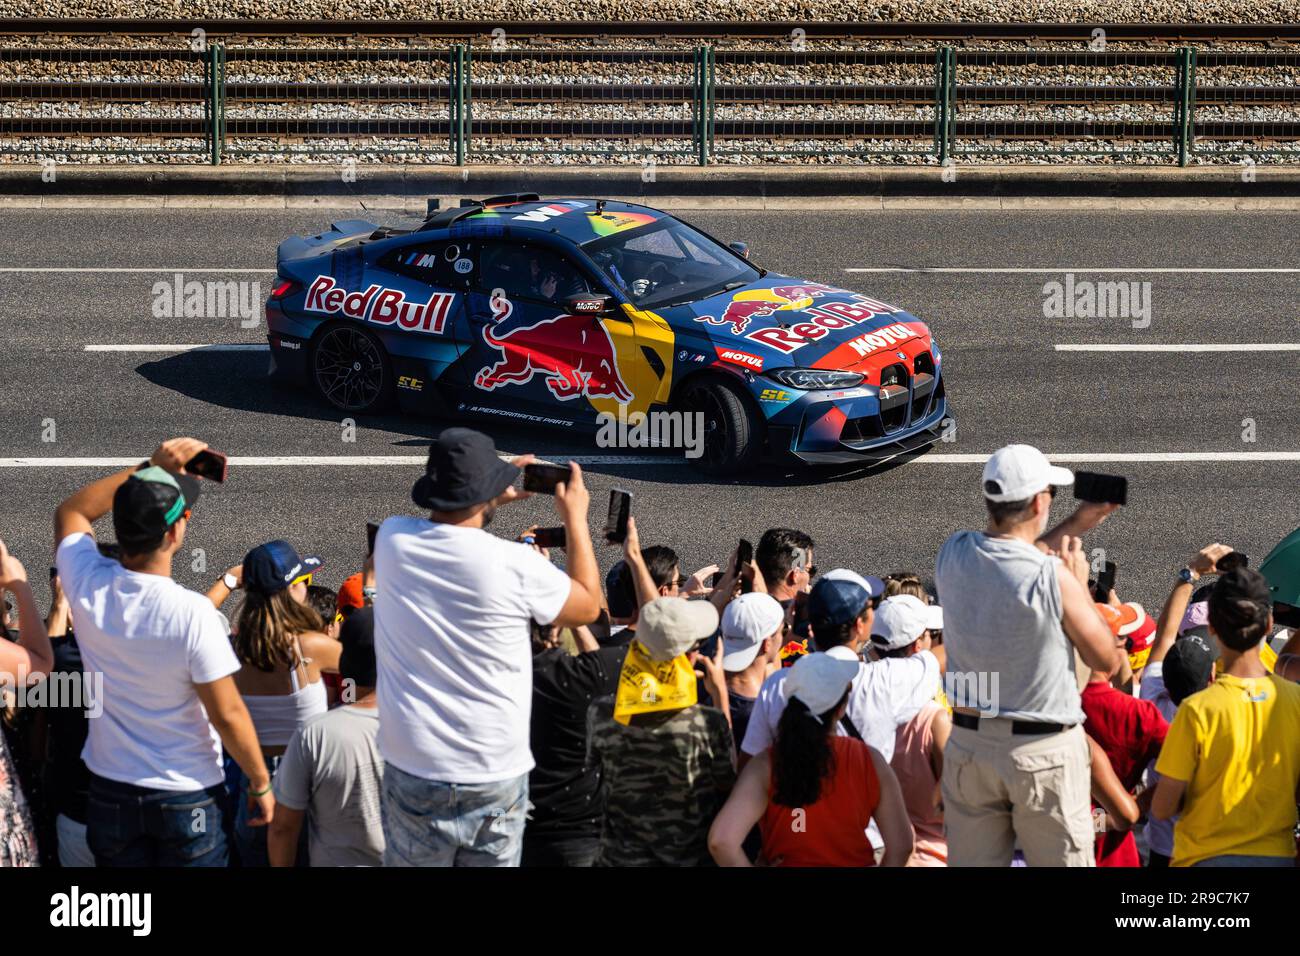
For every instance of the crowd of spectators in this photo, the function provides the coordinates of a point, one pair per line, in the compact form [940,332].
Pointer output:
[465,700]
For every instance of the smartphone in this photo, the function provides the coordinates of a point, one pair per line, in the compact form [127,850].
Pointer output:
[208,464]
[372,529]
[1105,583]
[620,509]
[550,537]
[714,578]
[1106,489]
[544,478]
[744,555]
[1231,562]
[54,573]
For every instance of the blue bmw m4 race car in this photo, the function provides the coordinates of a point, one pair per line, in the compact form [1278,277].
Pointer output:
[553,312]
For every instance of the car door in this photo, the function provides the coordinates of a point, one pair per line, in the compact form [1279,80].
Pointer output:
[526,352]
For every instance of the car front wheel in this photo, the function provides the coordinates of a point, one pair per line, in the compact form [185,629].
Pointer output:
[733,435]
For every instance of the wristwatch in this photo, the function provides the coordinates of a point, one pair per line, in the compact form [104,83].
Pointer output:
[230,581]
[1188,576]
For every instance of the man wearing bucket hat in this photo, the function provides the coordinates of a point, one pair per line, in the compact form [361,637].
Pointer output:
[1016,608]
[665,760]
[453,604]
[170,700]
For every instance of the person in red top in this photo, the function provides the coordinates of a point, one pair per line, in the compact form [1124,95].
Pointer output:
[814,792]
[1129,731]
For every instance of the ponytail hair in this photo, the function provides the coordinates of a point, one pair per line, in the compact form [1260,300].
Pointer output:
[801,756]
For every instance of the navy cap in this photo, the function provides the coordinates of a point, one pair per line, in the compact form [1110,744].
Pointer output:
[357,635]
[836,601]
[270,568]
[1188,667]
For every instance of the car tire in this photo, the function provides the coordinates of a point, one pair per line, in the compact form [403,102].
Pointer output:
[733,433]
[349,368]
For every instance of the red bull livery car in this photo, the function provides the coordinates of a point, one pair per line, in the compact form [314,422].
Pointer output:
[556,312]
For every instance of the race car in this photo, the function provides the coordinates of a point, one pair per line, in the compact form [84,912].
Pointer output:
[573,312]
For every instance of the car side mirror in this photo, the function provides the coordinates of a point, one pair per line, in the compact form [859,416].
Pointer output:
[739,248]
[589,304]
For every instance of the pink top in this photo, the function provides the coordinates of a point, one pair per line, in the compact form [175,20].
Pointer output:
[911,763]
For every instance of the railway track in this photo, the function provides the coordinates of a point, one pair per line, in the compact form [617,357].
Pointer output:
[844,31]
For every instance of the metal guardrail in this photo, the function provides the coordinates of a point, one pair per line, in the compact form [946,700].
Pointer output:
[700,104]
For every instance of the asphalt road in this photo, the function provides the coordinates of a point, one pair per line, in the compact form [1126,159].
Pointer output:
[1006,382]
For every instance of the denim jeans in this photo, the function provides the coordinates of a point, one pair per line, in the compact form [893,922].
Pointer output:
[427,823]
[250,841]
[128,825]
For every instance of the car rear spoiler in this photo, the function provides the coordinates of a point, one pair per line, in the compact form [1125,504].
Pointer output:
[300,247]
[439,218]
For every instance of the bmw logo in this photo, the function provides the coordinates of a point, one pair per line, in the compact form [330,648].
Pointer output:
[902,355]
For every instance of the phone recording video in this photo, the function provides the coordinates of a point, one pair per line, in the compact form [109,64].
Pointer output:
[620,509]
[1100,489]
[372,529]
[550,537]
[208,464]
[744,555]
[543,478]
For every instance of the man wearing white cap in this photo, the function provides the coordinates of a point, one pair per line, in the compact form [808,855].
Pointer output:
[752,625]
[903,626]
[1016,608]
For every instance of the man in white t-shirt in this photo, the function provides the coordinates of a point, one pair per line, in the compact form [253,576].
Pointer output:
[170,702]
[452,611]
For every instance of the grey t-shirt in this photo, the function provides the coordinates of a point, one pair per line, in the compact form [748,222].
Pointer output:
[1007,651]
[333,770]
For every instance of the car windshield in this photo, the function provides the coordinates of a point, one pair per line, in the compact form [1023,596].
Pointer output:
[668,263]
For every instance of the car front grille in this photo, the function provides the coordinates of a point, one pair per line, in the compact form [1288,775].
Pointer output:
[905,399]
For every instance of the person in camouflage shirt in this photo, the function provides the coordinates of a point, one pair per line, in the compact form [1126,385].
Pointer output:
[665,774]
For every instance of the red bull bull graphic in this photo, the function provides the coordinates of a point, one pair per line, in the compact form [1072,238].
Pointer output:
[756,303]
[574,352]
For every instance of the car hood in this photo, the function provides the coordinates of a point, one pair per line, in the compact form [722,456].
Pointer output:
[781,321]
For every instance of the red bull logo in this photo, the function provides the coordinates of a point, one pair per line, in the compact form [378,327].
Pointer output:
[761,303]
[380,305]
[573,352]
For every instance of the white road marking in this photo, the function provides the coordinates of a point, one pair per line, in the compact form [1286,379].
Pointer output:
[935,458]
[1184,347]
[203,269]
[1035,270]
[177,348]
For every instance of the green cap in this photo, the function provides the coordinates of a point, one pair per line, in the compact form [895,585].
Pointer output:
[1282,570]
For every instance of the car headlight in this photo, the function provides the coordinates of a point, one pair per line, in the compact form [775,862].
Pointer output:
[815,378]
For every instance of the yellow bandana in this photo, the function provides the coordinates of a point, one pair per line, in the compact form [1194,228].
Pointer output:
[646,685]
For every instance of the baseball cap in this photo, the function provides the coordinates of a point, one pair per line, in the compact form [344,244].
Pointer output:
[463,470]
[898,622]
[836,601]
[671,626]
[745,623]
[933,617]
[357,635]
[1188,666]
[819,681]
[1017,472]
[1282,570]
[872,585]
[350,594]
[148,503]
[1122,620]
[270,568]
[1139,640]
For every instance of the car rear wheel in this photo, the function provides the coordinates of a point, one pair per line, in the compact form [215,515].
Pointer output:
[350,369]
[733,435]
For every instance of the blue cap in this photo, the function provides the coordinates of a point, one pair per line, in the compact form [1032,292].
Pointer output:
[270,568]
[836,601]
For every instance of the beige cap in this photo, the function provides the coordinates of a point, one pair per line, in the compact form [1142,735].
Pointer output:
[670,626]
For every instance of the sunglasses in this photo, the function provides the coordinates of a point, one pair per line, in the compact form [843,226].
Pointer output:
[305,579]
[1052,490]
